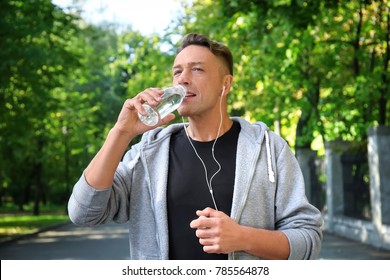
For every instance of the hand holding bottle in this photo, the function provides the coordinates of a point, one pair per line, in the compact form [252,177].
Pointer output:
[151,107]
[170,101]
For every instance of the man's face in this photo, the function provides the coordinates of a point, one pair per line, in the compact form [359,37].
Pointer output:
[202,73]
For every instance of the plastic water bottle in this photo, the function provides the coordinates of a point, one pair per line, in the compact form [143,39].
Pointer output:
[170,101]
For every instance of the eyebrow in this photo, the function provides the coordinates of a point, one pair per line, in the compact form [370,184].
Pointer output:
[188,64]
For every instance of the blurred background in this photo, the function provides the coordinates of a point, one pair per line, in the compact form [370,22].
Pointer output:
[315,71]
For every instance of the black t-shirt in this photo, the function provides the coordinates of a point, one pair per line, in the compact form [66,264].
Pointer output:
[187,189]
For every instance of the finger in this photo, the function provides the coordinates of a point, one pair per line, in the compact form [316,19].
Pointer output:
[152,96]
[208,212]
[167,119]
[129,104]
[205,212]
[212,249]
[135,104]
[195,223]
[202,223]
[128,111]
[206,241]
[206,233]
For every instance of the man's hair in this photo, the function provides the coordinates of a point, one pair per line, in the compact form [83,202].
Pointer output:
[216,48]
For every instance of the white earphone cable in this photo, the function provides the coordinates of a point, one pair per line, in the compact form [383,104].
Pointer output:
[209,182]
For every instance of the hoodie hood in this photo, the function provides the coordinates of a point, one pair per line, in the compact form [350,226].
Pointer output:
[253,131]
[258,132]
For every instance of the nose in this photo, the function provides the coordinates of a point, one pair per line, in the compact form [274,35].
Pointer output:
[184,78]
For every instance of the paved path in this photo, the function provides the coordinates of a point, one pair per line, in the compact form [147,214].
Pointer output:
[110,242]
[339,248]
[69,242]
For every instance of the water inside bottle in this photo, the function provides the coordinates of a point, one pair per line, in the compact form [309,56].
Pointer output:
[151,118]
[170,104]
[171,100]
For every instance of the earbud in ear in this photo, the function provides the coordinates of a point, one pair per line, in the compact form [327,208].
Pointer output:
[223,91]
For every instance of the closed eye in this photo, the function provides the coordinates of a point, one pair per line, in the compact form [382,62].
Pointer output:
[176,72]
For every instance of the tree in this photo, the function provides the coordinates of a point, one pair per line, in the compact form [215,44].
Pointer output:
[294,68]
[34,39]
[63,86]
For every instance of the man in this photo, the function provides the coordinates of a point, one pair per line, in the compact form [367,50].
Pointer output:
[213,188]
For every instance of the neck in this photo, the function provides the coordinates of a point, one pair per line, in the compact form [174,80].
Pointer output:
[204,131]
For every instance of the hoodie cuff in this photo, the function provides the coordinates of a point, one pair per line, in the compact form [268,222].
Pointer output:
[86,200]
[297,244]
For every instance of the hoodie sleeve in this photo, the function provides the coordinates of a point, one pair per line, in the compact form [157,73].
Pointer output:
[89,206]
[300,221]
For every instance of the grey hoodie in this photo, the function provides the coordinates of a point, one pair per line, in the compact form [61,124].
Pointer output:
[269,193]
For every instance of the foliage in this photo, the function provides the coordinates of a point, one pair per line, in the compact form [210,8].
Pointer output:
[313,71]
[14,223]
[36,55]
[11,226]
[63,83]
[318,66]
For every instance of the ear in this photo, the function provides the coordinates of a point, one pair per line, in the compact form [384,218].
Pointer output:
[227,84]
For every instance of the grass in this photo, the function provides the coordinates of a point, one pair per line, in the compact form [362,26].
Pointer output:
[14,223]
